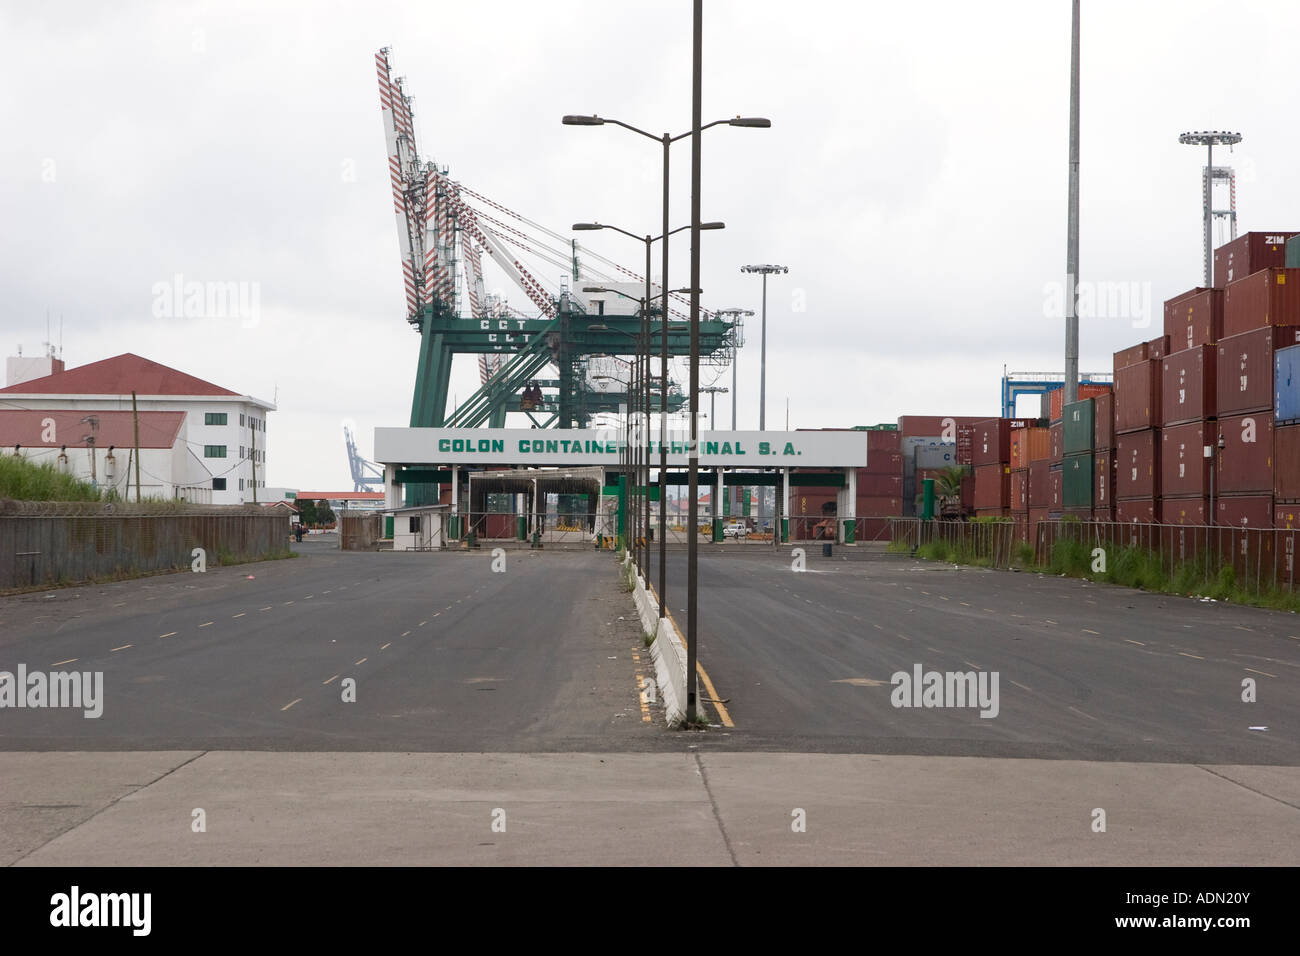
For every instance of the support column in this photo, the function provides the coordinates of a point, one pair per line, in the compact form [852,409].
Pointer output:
[455,500]
[850,527]
[717,509]
[392,490]
[785,505]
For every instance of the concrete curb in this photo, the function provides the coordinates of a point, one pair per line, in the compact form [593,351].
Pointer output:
[668,651]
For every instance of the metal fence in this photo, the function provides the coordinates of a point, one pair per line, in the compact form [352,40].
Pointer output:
[360,532]
[991,541]
[114,541]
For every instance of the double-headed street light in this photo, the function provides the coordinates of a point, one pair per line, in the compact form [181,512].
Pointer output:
[753,122]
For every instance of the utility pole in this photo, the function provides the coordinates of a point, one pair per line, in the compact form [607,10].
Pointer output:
[765,271]
[135,415]
[693,472]
[1072,225]
[252,453]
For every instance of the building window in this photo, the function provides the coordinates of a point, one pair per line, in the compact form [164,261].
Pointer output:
[241,453]
[413,524]
[241,419]
[214,418]
[241,484]
[218,484]
[214,451]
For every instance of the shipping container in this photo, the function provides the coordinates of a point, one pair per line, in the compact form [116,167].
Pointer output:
[883,463]
[1248,254]
[1085,391]
[1137,510]
[1292,253]
[1019,489]
[1137,397]
[1076,482]
[1187,383]
[1271,297]
[1286,462]
[1244,511]
[873,506]
[942,427]
[1029,445]
[1158,347]
[991,439]
[1244,378]
[1184,467]
[1079,427]
[1036,517]
[1179,510]
[1245,463]
[992,486]
[1286,384]
[992,513]
[1196,318]
[880,486]
[1130,356]
[1056,442]
[1040,484]
[1137,468]
[1083,514]
[965,441]
[1103,481]
[1103,415]
[1286,515]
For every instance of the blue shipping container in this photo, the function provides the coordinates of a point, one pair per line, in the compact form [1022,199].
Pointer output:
[1286,384]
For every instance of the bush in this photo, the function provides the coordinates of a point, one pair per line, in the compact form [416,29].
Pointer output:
[27,481]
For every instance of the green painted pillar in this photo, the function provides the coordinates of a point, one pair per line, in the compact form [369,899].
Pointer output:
[927,499]
[717,530]
[785,530]
[622,510]
[850,530]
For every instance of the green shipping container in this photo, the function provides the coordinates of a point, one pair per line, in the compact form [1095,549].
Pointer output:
[1293,252]
[1076,480]
[1078,419]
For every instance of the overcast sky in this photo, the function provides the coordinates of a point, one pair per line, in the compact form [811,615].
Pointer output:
[913,181]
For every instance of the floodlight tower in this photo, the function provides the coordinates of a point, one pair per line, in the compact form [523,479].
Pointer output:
[764,271]
[1209,139]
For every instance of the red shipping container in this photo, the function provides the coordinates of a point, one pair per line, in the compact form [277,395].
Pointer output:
[1055,491]
[1029,445]
[943,427]
[883,463]
[1036,517]
[1137,397]
[1137,510]
[885,441]
[991,439]
[1158,348]
[1103,422]
[872,506]
[1286,516]
[1271,297]
[992,486]
[1040,484]
[1244,511]
[1103,481]
[992,513]
[1245,464]
[1137,472]
[965,441]
[1130,356]
[1184,469]
[1085,391]
[1286,463]
[880,486]
[1181,510]
[1244,376]
[1056,442]
[1248,254]
[1187,381]
[808,501]
[1019,489]
[1194,318]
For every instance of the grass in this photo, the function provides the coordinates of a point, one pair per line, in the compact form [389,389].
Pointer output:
[899,547]
[28,481]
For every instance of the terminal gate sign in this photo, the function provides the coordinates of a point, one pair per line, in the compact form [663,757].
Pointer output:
[604,446]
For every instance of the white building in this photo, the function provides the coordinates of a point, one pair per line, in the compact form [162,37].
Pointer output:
[216,455]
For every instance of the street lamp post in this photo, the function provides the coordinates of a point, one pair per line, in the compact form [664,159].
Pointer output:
[666,140]
[765,271]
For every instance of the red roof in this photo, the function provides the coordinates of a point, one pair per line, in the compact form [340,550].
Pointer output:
[338,495]
[28,427]
[120,375]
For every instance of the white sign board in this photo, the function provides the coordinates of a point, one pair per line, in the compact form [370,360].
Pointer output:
[604,446]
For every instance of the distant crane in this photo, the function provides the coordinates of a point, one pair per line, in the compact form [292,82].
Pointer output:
[366,475]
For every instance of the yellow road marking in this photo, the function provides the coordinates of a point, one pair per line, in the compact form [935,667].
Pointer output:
[362,661]
[168,634]
[68,661]
[1197,656]
[334,678]
[290,704]
[1265,673]
[390,643]
[123,647]
[717,701]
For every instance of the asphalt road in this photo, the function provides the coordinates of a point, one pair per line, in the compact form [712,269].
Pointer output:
[1086,671]
[446,655]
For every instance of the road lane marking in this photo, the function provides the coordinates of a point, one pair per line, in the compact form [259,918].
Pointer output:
[990,610]
[963,604]
[240,614]
[436,613]
[123,647]
[1020,685]
[1197,656]
[309,597]
[969,664]
[267,608]
[287,603]
[404,633]
[1138,643]
[942,598]
[422,623]
[334,678]
[168,634]
[713,695]
[389,644]
[1090,631]
[1265,673]
[68,661]
[208,624]
[362,661]
[1078,711]
[290,704]
[1046,621]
